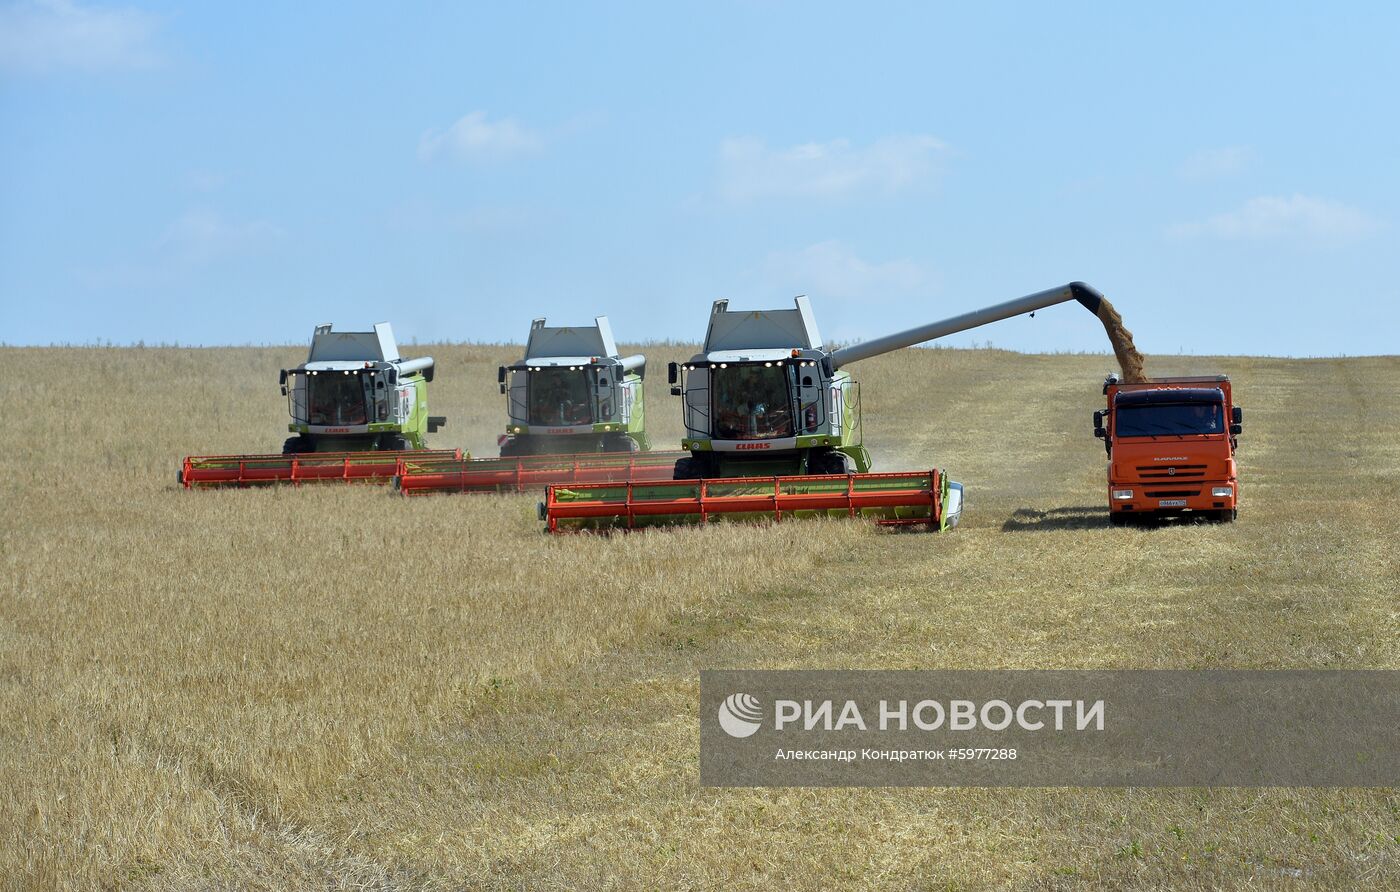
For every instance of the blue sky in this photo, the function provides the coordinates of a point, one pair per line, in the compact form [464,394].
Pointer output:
[236,173]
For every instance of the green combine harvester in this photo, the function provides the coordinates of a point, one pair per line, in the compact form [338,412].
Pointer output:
[356,407]
[771,416]
[355,394]
[572,393]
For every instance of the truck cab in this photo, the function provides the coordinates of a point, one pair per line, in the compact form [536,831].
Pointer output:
[1171,448]
[573,393]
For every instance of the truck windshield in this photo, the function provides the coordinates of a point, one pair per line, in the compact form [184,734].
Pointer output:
[336,398]
[561,396]
[1168,419]
[751,401]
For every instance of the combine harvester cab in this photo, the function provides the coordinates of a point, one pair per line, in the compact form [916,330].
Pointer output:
[572,393]
[356,408]
[1171,445]
[769,411]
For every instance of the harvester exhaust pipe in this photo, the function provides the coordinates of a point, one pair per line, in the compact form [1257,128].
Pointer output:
[1092,300]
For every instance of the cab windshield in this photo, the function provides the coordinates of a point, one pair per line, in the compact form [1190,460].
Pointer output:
[1169,419]
[751,401]
[336,398]
[561,396]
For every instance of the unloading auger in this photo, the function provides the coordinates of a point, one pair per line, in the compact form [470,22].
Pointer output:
[771,413]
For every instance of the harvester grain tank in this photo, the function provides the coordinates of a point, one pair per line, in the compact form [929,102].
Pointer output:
[1171,444]
[355,393]
[573,393]
[768,397]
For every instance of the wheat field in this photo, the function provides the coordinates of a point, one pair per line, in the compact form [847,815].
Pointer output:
[336,688]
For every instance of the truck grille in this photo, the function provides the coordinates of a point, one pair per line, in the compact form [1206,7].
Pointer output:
[1171,493]
[1153,472]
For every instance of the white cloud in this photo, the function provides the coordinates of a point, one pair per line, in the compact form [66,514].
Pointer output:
[751,170]
[831,271]
[474,137]
[41,36]
[203,236]
[1212,164]
[1276,217]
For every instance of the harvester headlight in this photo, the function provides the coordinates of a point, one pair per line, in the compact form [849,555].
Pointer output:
[768,365]
[724,365]
[1222,492]
[1123,494]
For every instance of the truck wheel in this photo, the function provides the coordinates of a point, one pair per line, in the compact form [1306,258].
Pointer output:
[1119,519]
[298,445]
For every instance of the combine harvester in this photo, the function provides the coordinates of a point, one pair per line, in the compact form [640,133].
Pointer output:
[357,407]
[773,429]
[572,393]
[576,415]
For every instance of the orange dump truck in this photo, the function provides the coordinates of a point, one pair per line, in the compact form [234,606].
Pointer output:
[1171,448]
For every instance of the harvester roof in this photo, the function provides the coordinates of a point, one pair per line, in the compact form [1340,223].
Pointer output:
[763,355]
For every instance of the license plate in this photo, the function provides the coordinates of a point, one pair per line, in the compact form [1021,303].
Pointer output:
[1172,503]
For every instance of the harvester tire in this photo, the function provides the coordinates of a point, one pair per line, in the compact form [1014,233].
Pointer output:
[393,444]
[688,469]
[298,445]
[621,443]
[834,463]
